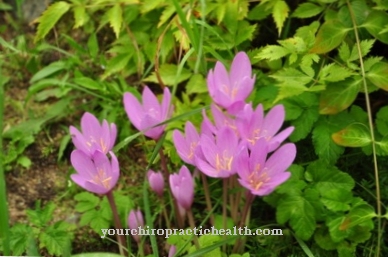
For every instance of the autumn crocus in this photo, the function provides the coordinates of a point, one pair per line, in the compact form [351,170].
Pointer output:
[259,175]
[220,120]
[95,173]
[218,153]
[182,187]
[93,135]
[156,181]
[229,90]
[135,220]
[253,125]
[186,145]
[144,116]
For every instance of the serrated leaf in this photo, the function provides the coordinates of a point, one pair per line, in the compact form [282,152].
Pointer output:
[20,238]
[369,62]
[382,121]
[375,23]
[116,64]
[339,96]
[245,32]
[300,213]
[272,52]
[304,124]
[80,16]
[327,177]
[323,239]
[333,73]
[56,241]
[365,46]
[378,75]
[168,73]
[307,63]
[88,83]
[50,17]
[86,201]
[354,135]
[344,52]
[196,85]
[330,35]
[307,10]
[337,199]
[115,17]
[280,13]
[324,146]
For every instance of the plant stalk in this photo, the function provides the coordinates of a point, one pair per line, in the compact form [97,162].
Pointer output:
[120,238]
[372,134]
[4,216]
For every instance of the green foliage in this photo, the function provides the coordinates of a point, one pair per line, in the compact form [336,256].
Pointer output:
[55,237]
[97,212]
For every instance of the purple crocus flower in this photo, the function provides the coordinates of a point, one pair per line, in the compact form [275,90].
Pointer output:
[156,181]
[253,125]
[186,146]
[220,119]
[97,173]
[218,153]
[259,175]
[182,188]
[230,90]
[135,220]
[148,114]
[94,136]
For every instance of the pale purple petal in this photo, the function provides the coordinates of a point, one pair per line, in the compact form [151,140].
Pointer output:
[240,68]
[181,145]
[83,164]
[273,120]
[79,141]
[134,110]
[209,149]
[147,123]
[281,159]
[270,186]
[151,104]
[90,126]
[166,102]
[279,138]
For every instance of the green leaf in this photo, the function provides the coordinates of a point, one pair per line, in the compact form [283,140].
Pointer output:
[375,23]
[208,240]
[378,75]
[344,52]
[300,213]
[337,199]
[245,32]
[89,83]
[382,121]
[50,17]
[327,177]
[369,62]
[365,46]
[333,73]
[56,241]
[323,239]
[293,82]
[339,96]
[115,17]
[280,13]
[354,135]
[307,63]
[324,146]
[330,35]
[117,64]
[196,85]
[272,52]
[86,201]
[307,10]
[49,70]
[80,16]
[168,73]
[24,161]
[96,254]
[20,238]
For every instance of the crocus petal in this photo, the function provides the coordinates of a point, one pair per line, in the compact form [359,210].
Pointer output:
[134,110]
[258,154]
[90,126]
[281,159]
[273,120]
[209,149]
[150,103]
[182,147]
[245,88]
[240,68]
[279,138]
[270,186]
[227,140]
[166,101]
[83,164]
[79,141]
[113,135]
[147,123]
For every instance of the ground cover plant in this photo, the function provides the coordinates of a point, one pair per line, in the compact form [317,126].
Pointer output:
[270,115]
